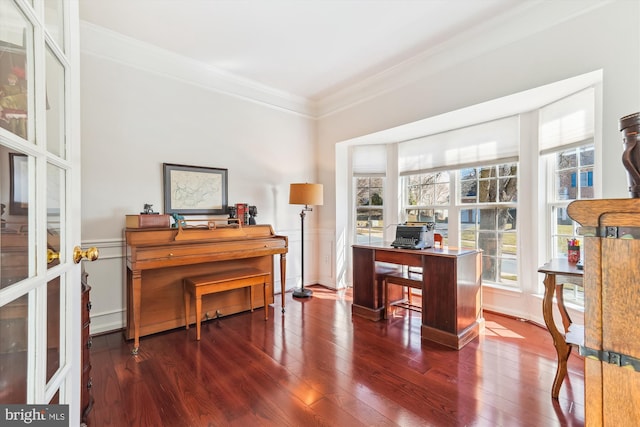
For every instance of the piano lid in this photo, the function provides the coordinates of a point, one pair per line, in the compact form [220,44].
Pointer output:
[156,236]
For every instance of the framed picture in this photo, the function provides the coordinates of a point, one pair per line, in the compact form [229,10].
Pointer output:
[18,184]
[194,190]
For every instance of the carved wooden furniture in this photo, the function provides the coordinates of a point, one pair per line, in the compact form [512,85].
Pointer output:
[611,229]
[558,272]
[451,289]
[220,282]
[159,259]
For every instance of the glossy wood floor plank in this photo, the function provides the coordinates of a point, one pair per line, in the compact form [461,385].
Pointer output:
[317,366]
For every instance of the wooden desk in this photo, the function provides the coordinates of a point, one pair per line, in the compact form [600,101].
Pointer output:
[158,259]
[451,290]
[557,272]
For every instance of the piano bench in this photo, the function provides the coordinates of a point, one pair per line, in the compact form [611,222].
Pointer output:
[220,282]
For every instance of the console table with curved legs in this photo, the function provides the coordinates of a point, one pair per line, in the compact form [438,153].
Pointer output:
[557,272]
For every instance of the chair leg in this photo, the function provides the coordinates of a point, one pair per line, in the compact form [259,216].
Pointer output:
[385,286]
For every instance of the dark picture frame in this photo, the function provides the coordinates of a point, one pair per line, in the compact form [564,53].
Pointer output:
[195,190]
[18,184]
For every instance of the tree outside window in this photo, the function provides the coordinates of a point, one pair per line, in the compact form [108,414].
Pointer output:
[369,210]
[488,199]
[427,200]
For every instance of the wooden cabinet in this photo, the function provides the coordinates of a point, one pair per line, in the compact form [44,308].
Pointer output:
[86,396]
[611,230]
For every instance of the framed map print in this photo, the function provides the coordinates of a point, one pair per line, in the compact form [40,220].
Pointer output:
[194,190]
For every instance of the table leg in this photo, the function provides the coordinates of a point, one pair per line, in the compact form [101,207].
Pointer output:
[136,297]
[283,275]
[563,350]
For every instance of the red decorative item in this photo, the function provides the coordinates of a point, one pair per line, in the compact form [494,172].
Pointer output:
[242,213]
[573,251]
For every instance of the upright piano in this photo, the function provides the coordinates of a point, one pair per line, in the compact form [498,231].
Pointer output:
[158,259]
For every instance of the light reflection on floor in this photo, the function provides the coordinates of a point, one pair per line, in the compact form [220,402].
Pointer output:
[494,329]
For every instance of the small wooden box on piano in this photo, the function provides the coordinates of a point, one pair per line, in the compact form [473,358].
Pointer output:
[147,221]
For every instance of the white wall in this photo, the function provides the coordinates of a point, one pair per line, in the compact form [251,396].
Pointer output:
[137,116]
[141,108]
[552,41]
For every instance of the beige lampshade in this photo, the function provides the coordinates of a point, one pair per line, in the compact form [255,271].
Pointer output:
[305,194]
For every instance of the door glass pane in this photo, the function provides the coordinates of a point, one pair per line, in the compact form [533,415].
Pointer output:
[53,20]
[14,225]
[55,210]
[13,351]
[55,105]
[53,327]
[15,49]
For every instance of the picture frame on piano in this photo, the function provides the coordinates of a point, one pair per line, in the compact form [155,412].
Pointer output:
[195,190]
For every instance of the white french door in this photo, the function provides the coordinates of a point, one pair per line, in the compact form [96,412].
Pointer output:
[40,197]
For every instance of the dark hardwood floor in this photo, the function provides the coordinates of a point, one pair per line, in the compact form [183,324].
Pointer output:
[316,365]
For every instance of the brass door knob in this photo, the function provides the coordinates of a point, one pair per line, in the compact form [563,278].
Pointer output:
[90,254]
[52,256]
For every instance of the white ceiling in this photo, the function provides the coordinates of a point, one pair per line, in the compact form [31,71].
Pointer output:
[310,49]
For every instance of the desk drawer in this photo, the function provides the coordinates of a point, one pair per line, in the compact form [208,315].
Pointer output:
[403,258]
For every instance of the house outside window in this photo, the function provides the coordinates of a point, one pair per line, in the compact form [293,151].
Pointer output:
[572,175]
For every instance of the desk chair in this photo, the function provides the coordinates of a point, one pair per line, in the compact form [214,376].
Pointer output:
[407,278]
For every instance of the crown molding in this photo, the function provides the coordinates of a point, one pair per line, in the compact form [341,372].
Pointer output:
[531,17]
[109,45]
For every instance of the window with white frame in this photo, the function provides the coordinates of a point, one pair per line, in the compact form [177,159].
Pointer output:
[369,169]
[567,152]
[428,198]
[369,210]
[488,200]
[482,160]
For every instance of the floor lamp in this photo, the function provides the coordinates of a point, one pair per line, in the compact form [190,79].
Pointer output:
[304,194]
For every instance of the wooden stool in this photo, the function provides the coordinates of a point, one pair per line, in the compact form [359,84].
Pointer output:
[219,282]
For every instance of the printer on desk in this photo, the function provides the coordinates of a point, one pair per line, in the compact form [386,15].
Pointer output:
[414,236]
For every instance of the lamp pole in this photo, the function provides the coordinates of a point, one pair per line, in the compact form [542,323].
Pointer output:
[302,292]
[304,194]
